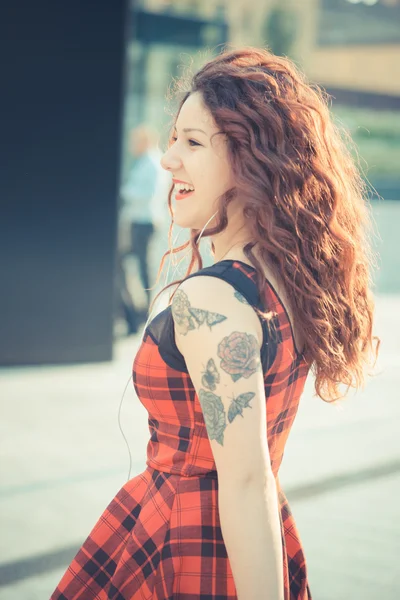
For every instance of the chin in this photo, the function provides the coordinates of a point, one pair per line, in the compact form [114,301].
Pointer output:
[187,220]
[183,221]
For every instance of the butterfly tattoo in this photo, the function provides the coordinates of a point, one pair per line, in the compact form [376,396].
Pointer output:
[210,376]
[205,316]
[187,318]
[238,404]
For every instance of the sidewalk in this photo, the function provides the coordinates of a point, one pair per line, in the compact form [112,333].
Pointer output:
[62,458]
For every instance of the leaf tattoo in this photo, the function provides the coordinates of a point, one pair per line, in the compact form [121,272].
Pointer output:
[186,317]
[238,404]
[210,376]
[239,297]
[239,354]
[214,415]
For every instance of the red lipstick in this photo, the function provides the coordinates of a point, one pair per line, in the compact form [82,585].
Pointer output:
[182,196]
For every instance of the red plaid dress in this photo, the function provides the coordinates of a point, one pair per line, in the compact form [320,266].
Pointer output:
[160,537]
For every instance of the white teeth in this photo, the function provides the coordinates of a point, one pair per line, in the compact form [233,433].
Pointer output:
[184,186]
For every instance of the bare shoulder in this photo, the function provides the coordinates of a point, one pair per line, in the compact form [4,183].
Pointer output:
[219,335]
[206,301]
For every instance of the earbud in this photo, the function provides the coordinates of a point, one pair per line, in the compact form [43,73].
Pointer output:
[176,268]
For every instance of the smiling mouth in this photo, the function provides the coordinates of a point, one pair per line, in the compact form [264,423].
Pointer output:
[181,193]
[180,196]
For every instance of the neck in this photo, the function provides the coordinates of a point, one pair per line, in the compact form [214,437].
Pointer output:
[227,245]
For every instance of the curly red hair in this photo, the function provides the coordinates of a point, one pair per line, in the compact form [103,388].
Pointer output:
[305,202]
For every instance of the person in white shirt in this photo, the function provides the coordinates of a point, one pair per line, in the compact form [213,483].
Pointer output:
[137,194]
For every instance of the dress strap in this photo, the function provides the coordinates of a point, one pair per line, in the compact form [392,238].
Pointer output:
[232,272]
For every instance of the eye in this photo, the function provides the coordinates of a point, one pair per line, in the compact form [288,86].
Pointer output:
[191,142]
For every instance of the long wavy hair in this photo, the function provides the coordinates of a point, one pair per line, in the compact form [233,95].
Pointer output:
[304,200]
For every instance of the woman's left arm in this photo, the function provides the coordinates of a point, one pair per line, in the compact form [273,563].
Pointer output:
[220,338]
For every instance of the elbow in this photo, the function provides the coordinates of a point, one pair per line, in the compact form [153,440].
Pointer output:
[254,479]
[261,479]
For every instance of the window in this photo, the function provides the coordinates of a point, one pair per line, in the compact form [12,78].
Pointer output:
[343,22]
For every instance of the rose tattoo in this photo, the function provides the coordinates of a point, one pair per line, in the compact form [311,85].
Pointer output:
[214,415]
[180,311]
[239,354]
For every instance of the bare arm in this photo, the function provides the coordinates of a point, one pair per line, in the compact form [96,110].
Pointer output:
[220,338]
[250,527]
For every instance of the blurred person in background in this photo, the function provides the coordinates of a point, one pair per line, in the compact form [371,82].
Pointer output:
[222,369]
[137,215]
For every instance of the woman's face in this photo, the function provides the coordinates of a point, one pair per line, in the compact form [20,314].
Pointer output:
[199,161]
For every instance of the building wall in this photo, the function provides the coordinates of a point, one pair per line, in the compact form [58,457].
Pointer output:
[62,97]
[365,68]
[368,68]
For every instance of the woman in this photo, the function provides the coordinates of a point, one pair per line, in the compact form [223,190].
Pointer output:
[222,368]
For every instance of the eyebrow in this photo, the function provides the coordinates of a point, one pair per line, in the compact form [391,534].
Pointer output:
[187,129]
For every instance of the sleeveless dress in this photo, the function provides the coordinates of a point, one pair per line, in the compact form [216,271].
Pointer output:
[160,537]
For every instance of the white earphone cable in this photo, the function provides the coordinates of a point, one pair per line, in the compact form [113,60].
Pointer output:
[143,331]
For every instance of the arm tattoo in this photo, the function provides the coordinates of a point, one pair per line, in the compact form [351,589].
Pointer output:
[187,317]
[239,297]
[239,354]
[238,404]
[214,412]
[214,415]
[210,376]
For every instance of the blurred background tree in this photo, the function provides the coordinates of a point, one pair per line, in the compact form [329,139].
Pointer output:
[280,30]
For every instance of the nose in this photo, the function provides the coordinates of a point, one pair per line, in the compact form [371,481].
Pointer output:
[170,161]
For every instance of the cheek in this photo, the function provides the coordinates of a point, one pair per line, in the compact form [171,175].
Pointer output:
[214,175]
[222,177]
